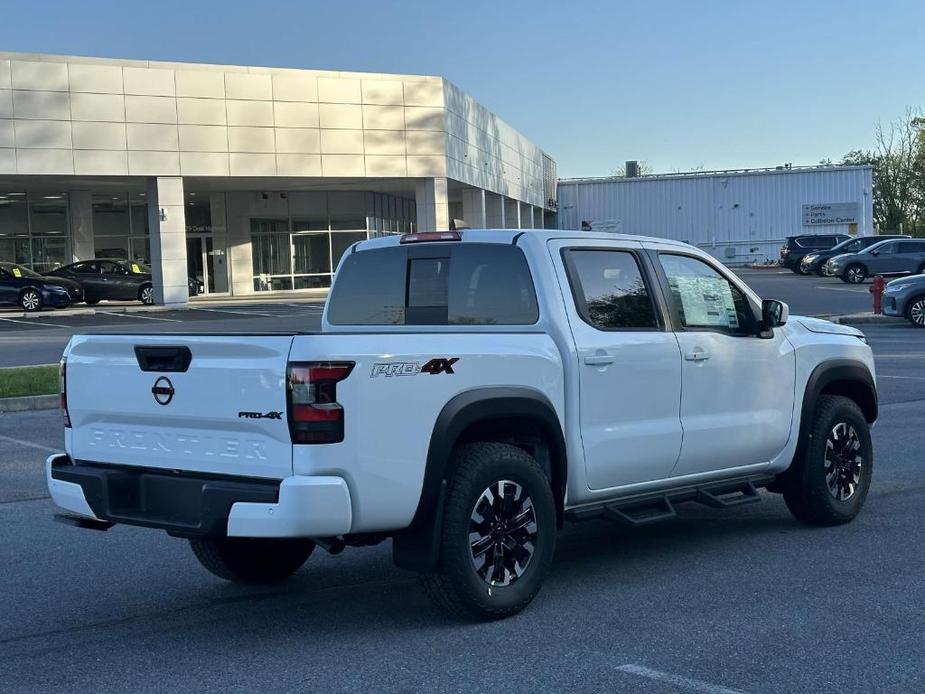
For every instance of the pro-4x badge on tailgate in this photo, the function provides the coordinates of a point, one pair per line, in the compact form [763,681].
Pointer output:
[413,368]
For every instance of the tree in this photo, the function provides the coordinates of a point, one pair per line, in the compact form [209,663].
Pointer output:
[645,169]
[898,159]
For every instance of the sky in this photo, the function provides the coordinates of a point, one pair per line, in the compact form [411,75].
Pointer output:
[680,84]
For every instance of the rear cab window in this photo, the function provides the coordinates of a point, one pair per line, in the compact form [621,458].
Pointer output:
[609,289]
[435,284]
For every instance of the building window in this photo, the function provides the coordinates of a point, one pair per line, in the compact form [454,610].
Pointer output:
[34,229]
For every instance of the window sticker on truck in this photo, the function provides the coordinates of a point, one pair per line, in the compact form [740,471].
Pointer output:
[413,368]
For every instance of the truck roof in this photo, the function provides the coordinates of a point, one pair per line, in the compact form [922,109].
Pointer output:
[507,236]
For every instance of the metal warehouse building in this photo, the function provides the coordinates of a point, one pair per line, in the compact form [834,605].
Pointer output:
[253,180]
[739,216]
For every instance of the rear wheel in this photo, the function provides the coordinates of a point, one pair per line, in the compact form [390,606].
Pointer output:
[146,295]
[30,300]
[854,274]
[829,484]
[499,533]
[251,560]
[91,302]
[915,312]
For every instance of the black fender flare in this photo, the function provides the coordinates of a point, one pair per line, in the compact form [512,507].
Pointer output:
[417,547]
[823,375]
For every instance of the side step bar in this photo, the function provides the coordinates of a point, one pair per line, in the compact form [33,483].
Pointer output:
[645,509]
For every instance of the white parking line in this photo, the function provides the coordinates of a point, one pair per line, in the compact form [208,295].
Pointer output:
[135,315]
[909,378]
[843,289]
[34,322]
[29,444]
[676,680]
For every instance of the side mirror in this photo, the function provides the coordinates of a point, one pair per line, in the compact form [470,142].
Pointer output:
[774,314]
[875,252]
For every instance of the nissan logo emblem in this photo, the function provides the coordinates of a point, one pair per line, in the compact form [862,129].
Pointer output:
[163,391]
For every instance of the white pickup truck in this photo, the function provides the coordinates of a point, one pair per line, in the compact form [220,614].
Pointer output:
[467,394]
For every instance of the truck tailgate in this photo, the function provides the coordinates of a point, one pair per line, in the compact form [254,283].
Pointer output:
[131,403]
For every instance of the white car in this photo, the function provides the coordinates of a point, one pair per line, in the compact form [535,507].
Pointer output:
[468,394]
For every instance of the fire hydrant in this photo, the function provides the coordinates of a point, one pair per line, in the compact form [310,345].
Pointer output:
[876,289]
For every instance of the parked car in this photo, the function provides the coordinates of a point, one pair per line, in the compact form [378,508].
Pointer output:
[896,257]
[905,298]
[115,279]
[816,261]
[468,393]
[31,291]
[796,247]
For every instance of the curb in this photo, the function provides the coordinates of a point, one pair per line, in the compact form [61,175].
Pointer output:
[864,319]
[30,402]
[68,312]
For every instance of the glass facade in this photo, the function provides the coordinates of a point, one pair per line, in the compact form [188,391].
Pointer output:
[120,226]
[283,240]
[34,229]
[299,244]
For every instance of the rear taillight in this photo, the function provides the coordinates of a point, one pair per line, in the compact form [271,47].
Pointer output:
[62,387]
[315,416]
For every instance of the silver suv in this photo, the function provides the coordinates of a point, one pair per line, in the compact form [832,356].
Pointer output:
[894,257]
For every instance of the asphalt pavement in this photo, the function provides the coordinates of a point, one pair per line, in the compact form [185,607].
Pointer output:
[743,600]
[40,339]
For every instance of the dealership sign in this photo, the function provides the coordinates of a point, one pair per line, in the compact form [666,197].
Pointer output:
[831,213]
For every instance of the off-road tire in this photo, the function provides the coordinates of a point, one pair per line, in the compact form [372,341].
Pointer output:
[804,486]
[251,560]
[455,585]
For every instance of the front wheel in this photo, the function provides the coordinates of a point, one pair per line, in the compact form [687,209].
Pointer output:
[251,560]
[916,312]
[829,483]
[854,274]
[499,533]
[146,295]
[30,300]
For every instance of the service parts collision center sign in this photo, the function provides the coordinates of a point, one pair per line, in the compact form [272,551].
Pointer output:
[831,213]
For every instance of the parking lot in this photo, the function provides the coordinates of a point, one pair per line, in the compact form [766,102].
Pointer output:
[745,600]
[717,601]
[40,338]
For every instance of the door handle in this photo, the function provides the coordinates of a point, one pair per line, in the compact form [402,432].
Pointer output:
[599,360]
[697,355]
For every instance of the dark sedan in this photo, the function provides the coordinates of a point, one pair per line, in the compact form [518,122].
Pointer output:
[31,291]
[114,279]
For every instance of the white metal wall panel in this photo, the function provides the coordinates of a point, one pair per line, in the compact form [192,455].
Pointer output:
[738,217]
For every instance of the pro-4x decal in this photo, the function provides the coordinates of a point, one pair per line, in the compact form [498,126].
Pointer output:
[413,368]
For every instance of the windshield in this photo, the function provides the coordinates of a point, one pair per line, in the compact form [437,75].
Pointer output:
[848,246]
[20,271]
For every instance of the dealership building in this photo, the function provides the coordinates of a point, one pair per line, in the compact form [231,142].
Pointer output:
[254,180]
[740,216]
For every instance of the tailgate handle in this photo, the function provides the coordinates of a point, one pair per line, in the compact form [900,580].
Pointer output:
[163,358]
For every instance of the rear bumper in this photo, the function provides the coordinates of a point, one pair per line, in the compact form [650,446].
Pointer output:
[190,504]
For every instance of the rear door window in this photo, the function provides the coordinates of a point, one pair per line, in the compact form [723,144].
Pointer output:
[912,247]
[609,290]
[436,284]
